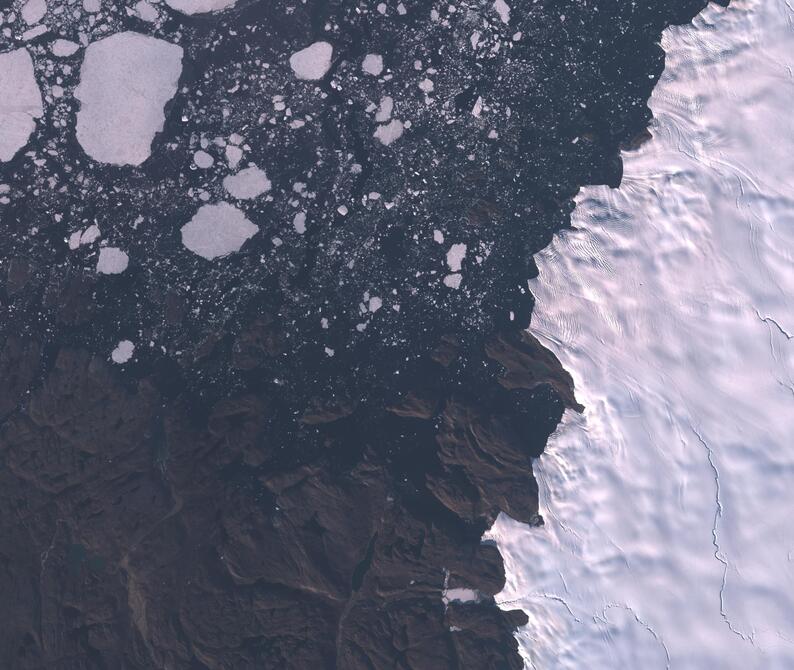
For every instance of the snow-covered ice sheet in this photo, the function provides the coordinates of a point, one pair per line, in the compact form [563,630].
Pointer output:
[669,534]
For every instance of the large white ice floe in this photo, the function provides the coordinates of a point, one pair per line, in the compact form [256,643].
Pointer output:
[669,535]
[200,6]
[313,62]
[20,102]
[217,230]
[125,82]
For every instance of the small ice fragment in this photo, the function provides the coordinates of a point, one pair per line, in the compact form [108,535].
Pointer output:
[385,109]
[372,64]
[313,62]
[92,6]
[123,352]
[427,85]
[64,48]
[199,6]
[455,256]
[389,132]
[90,234]
[299,223]
[112,261]
[33,11]
[146,12]
[453,280]
[375,303]
[33,33]
[503,9]
[233,155]
[438,236]
[217,230]
[248,183]
[203,160]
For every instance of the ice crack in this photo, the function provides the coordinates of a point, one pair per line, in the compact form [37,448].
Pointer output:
[545,596]
[715,540]
[640,621]
[770,321]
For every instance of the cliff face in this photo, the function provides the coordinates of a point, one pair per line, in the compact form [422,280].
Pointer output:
[297,465]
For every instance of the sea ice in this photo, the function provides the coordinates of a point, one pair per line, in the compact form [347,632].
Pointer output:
[372,64]
[112,261]
[217,230]
[389,132]
[20,102]
[33,11]
[247,184]
[200,6]
[313,62]
[123,352]
[125,81]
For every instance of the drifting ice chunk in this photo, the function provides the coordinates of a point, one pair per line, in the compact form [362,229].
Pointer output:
[33,11]
[112,261]
[200,6]
[313,62]
[203,160]
[386,134]
[503,9]
[217,230]
[123,352]
[20,102]
[146,12]
[233,155]
[372,64]
[299,223]
[64,48]
[385,108]
[247,184]
[125,82]
[455,256]
[453,280]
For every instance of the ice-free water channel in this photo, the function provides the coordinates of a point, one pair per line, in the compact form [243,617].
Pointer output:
[669,505]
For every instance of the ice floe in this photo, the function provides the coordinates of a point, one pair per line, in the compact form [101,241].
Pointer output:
[125,81]
[20,102]
[217,230]
[112,261]
[313,62]
[247,184]
[200,6]
[123,352]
